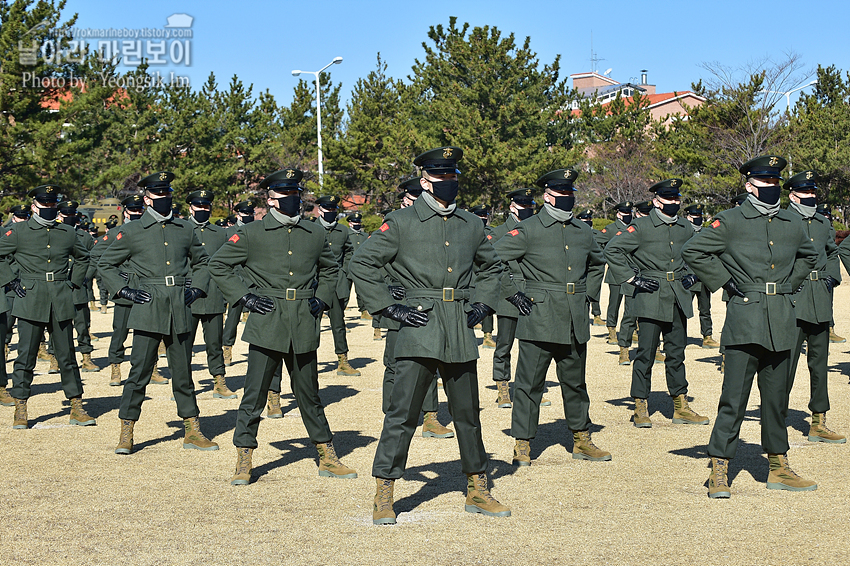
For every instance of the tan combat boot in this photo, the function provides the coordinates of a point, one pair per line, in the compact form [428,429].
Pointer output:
[20,414]
[6,352]
[344,368]
[479,500]
[835,338]
[228,354]
[92,306]
[161,350]
[376,334]
[194,439]
[819,432]
[364,315]
[54,364]
[709,342]
[597,321]
[6,400]
[718,483]
[722,363]
[585,449]
[522,453]
[488,341]
[660,358]
[641,417]
[781,475]
[42,352]
[157,378]
[125,441]
[273,410]
[220,389]
[87,364]
[503,400]
[102,309]
[624,357]
[78,414]
[635,337]
[115,379]
[329,465]
[544,402]
[612,335]
[242,476]
[431,427]
[382,511]
[683,414]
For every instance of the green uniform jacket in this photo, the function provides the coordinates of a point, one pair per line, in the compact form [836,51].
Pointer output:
[37,251]
[605,236]
[212,237]
[150,251]
[100,246]
[356,238]
[427,253]
[696,287]
[744,245]
[549,255]
[81,295]
[509,278]
[341,247]
[814,302]
[592,277]
[655,249]
[274,258]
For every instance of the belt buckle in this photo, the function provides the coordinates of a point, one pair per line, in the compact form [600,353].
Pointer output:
[48,276]
[571,288]
[768,290]
[671,276]
[813,276]
[288,297]
[451,294]
[169,281]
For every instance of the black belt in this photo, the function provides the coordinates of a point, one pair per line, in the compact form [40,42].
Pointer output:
[168,281]
[668,275]
[569,288]
[48,276]
[446,294]
[286,294]
[766,288]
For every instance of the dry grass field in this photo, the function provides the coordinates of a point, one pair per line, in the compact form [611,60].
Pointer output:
[68,499]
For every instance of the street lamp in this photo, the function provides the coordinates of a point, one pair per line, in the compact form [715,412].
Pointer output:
[788,111]
[316,74]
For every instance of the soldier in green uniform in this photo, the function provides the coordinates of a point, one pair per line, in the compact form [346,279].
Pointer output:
[42,250]
[556,257]
[652,246]
[243,214]
[281,257]
[19,213]
[342,249]
[824,211]
[813,303]
[694,214]
[759,254]
[482,211]
[158,253]
[209,311]
[451,276]
[595,310]
[357,236]
[624,218]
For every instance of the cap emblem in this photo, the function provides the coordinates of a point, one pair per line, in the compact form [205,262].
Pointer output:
[163,176]
[773,161]
[447,152]
[809,175]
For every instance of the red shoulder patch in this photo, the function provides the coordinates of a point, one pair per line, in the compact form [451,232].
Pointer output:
[630,229]
[384,227]
[715,224]
[604,230]
[514,232]
[489,236]
[118,237]
[618,233]
[9,232]
[233,238]
[105,238]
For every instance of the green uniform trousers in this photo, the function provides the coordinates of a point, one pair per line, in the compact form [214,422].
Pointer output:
[263,365]
[628,327]
[614,299]
[532,365]
[120,316]
[704,307]
[743,362]
[101,287]
[504,343]
[231,324]
[10,320]
[336,315]
[30,334]
[213,327]
[413,377]
[817,356]
[82,324]
[675,337]
[143,358]
[487,325]
[595,309]
[430,403]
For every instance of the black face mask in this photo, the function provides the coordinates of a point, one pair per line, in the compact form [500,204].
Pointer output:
[696,221]
[356,227]
[769,195]
[483,219]
[446,191]
[22,216]
[48,213]
[329,217]
[808,201]
[589,222]
[162,205]
[669,209]
[201,216]
[289,206]
[70,220]
[246,219]
[135,215]
[523,213]
[565,203]
[627,219]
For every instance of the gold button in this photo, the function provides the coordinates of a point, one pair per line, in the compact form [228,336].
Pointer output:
[203,244]
[167,263]
[671,243]
[290,252]
[770,220]
[566,247]
[419,308]
[48,261]
[445,218]
[812,239]
[202,229]
[771,242]
[48,245]
[671,261]
[569,268]
[291,273]
[746,299]
[450,270]
[447,243]
[289,230]
[772,266]
[166,243]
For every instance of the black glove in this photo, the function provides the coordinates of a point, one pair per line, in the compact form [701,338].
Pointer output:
[188,283]
[689,280]
[480,311]
[317,306]
[522,303]
[405,315]
[644,285]
[192,294]
[137,296]
[259,305]
[124,276]
[16,286]
[798,289]
[732,289]
[831,282]
[72,285]
[398,292]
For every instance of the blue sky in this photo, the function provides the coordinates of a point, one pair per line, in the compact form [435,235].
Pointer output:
[262,42]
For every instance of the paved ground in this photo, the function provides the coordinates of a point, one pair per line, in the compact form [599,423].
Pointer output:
[68,499]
